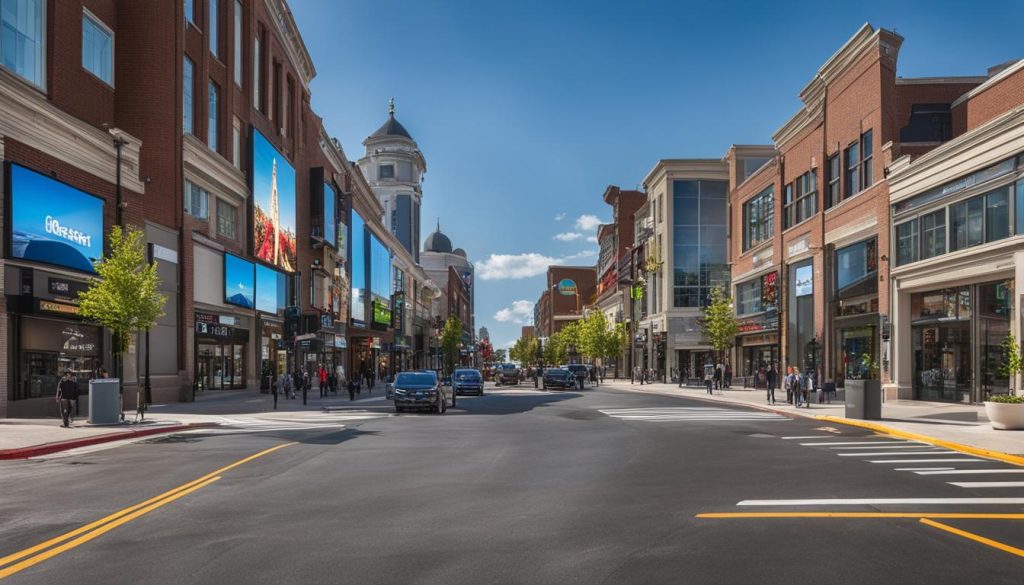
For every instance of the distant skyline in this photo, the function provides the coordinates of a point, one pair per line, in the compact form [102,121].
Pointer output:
[526,111]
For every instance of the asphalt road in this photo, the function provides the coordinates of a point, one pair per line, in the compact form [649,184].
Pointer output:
[517,486]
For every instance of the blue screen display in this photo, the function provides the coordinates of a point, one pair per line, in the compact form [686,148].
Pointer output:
[54,223]
[358,268]
[239,282]
[271,290]
[330,221]
[273,192]
[380,271]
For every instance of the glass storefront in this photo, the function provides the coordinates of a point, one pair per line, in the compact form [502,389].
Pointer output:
[221,365]
[50,347]
[944,324]
[756,360]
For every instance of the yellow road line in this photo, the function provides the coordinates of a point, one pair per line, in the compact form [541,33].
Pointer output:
[976,538]
[1004,457]
[31,561]
[721,515]
[170,493]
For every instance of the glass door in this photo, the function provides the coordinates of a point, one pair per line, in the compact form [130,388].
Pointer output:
[942,362]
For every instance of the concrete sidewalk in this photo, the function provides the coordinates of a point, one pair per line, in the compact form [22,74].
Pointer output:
[21,438]
[964,424]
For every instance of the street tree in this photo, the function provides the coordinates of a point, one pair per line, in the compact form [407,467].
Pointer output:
[125,297]
[451,339]
[719,323]
[500,355]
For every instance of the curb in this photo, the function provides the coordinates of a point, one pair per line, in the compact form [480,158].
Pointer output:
[47,448]
[877,427]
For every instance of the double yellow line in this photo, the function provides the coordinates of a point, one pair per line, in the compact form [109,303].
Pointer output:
[21,560]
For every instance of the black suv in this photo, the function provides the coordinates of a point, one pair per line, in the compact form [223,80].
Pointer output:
[506,374]
[421,390]
[468,380]
[558,378]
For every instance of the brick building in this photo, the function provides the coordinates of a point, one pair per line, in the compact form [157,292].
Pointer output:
[569,289]
[196,117]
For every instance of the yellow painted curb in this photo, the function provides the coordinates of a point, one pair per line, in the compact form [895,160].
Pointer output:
[1004,457]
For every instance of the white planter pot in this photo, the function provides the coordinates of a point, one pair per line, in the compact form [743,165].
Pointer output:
[1008,417]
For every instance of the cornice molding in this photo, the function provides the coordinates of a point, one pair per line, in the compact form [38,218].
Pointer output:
[222,176]
[293,43]
[28,117]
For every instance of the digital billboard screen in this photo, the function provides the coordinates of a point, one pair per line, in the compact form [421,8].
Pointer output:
[271,290]
[358,270]
[52,222]
[330,219]
[273,191]
[380,271]
[239,282]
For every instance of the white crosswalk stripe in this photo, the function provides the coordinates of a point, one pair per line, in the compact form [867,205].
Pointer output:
[302,421]
[700,414]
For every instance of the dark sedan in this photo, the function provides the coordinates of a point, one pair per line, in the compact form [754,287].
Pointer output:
[558,378]
[421,390]
[468,380]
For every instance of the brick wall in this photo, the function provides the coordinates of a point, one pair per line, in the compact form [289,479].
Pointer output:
[999,97]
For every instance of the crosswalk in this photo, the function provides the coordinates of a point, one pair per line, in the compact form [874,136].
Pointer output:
[689,414]
[298,421]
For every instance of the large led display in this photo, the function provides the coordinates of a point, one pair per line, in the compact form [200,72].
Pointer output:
[273,191]
[271,290]
[380,271]
[52,222]
[239,282]
[358,270]
[330,221]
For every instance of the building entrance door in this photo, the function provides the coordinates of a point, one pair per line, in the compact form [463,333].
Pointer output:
[942,362]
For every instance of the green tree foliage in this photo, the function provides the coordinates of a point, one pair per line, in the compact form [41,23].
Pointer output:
[719,324]
[1012,362]
[125,298]
[451,339]
[500,355]
[593,335]
[524,350]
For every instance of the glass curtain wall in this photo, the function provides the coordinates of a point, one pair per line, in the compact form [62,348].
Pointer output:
[699,241]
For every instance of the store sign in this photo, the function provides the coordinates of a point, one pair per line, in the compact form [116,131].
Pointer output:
[55,307]
[79,340]
[381,313]
[567,287]
[214,330]
[804,281]
[207,318]
[273,192]
[757,325]
[340,342]
[52,222]
[65,289]
[326,321]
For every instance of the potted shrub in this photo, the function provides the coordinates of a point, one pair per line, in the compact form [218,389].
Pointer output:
[1006,412]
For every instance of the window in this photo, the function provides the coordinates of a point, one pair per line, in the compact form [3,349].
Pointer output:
[213,28]
[257,73]
[97,48]
[226,218]
[966,222]
[933,234]
[997,215]
[1019,223]
[699,243]
[187,87]
[211,128]
[386,172]
[748,297]
[236,143]
[857,266]
[867,148]
[190,11]
[834,174]
[196,201]
[758,219]
[23,41]
[906,242]
[851,157]
[238,43]
[801,198]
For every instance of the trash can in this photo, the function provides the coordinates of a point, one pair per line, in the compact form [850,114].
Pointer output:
[104,401]
[864,399]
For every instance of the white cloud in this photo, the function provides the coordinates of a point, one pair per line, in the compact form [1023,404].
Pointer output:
[560,217]
[517,266]
[568,236]
[519,312]
[587,222]
[592,239]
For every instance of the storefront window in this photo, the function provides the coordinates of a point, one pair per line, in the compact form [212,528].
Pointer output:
[933,234]
[50,347]
[906,242]
[748,297]
[857,265]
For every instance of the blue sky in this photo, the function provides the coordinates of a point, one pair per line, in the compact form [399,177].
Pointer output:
[527,110]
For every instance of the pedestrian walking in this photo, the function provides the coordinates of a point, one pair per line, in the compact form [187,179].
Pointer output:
[770,378]
[728,375]
[794,383]
[352,389]
[275,387]
[321,376]
[306,385]
[67,390]
[709,377]
[717,375]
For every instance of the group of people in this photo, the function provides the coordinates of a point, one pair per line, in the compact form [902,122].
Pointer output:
[644,375]
[798,386]
[328,381]
[716,377]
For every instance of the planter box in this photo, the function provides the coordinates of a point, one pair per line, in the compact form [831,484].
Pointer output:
[1007,417]
[864,399]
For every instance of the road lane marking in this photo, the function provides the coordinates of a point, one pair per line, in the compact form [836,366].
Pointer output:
[686,414]
[952,471]
[960,515]
[131,509]
[917,469]
[954,460]
[808,437]
[975,537]
[861,448]
[987,484]
[883,453]
[829,444]
[32,561]
[882,502]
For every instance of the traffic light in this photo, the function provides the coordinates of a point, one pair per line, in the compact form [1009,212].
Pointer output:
[292,316]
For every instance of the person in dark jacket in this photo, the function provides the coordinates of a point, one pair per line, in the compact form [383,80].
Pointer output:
[771,377]
[352,389]
[67,391]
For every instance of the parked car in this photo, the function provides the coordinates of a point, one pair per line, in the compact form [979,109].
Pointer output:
[422,390]
[559,378]
[507,374]
[468,380]
[580,371]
